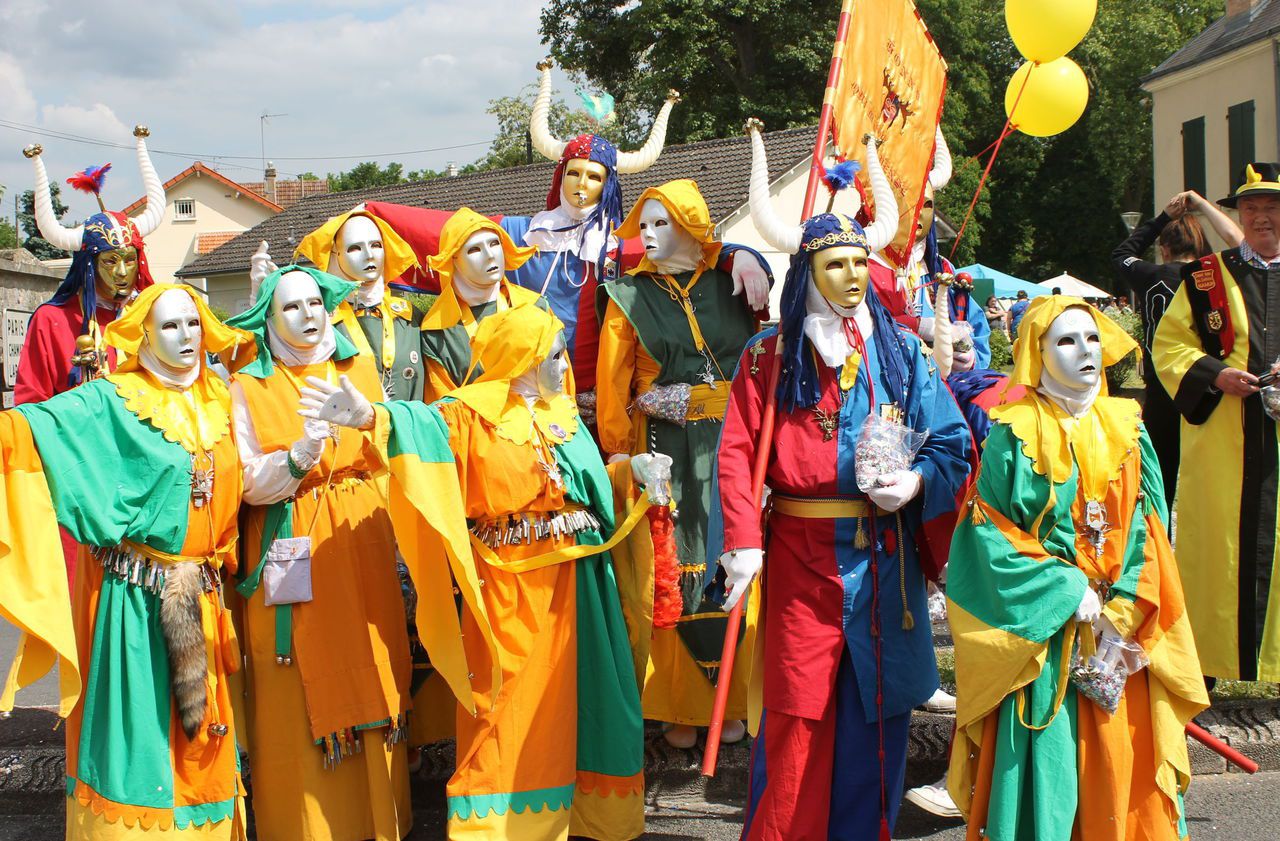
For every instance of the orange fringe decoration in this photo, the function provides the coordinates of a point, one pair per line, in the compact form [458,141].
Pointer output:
[668,604]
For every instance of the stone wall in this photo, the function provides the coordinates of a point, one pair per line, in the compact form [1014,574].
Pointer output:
[25,283]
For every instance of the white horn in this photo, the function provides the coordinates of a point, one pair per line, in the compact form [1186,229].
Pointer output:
[539,128]
[150,218]
[784,237]
[57,234]
[646,155]
[881,232]
[940,175]
[942,338]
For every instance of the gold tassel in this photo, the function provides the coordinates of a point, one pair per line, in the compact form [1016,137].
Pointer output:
[976,515]
[908,620]
[860,540]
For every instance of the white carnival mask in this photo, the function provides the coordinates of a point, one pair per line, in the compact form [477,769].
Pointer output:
[552,370]
[1072,351]
[359,251]
[665,241]
[174,331]
[481,261]
[298,315]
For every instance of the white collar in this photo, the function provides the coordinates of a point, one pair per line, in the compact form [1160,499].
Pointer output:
[824,326]
[179,380]
[1073,401]
[292,357]
[562,229]
[370,295]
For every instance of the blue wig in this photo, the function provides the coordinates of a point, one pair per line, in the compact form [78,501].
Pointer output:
[798,379]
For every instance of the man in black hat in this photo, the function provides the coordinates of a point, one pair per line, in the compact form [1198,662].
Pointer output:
[1215,351]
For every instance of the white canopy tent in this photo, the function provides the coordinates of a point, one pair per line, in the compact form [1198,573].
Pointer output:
[1074,286]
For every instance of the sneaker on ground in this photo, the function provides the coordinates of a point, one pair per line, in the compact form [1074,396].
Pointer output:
[934,799]
[941,702]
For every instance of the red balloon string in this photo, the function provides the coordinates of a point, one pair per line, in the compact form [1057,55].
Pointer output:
[1009,128]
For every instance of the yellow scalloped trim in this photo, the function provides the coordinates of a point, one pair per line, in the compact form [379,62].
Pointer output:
[1046,441]
[604,785]
[196,428]
[113,812]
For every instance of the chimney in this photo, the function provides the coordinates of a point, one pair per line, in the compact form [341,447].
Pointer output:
[269,182]
[1236,7]
[451,170]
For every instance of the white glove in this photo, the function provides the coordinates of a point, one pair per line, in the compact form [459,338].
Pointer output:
[740,566]
[896,489]
[1090,606]
[654,472]
[343,404]
[963,361]
[306,451]
[748,276]
[260,266]
[617,457]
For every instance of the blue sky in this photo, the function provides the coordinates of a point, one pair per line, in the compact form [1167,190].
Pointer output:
[357,77]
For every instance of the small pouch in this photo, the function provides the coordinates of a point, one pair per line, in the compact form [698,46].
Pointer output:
[666,402]
[286,576]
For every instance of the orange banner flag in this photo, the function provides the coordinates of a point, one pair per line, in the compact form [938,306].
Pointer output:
[891,85]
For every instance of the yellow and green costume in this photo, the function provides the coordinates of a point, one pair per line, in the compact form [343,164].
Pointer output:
[1032,759]
[113,462]
[549,730]
[659,330]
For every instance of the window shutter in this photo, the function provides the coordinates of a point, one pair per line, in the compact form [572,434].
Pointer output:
[1193,169]
[1239,140]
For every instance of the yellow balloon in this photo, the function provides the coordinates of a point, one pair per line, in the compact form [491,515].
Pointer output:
[1043,30]
[1053,96]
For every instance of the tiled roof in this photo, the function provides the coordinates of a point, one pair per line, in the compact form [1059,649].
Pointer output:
[289,193]
[199,168]
[721,168]
[1222,36]
[206,243]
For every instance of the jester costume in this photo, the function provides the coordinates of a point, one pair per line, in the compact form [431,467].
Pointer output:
[1033,759]
[327,678]
[542,641]
[845,650]
[661,334]
[1222,316]
[382,326]
[449,327]
[145,646]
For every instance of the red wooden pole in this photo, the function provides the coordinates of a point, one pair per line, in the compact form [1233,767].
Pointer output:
[1221,748]
[725,679]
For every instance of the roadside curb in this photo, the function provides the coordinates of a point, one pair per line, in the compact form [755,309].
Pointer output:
[32,772]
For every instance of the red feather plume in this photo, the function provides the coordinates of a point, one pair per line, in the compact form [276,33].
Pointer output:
[90,180]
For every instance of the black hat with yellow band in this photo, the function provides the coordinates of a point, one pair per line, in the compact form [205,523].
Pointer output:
[1260,179]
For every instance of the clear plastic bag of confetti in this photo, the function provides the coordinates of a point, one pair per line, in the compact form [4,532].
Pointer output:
[1102,675]
[885,445]
[962,337]
[666,402]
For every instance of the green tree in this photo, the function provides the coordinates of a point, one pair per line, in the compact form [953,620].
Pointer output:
[510,145]
[362,176]
[27,223]
[1050,204]
[8,236]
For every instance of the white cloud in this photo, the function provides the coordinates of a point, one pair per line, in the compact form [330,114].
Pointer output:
[356,77]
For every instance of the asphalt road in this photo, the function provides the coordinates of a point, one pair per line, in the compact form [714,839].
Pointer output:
[42,694]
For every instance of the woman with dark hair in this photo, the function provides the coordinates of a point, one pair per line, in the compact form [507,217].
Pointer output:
[1181,240]
[997,315]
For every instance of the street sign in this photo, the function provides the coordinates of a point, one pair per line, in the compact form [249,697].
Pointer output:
[15,332]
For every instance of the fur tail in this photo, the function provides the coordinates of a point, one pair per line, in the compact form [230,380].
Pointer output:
[184,637]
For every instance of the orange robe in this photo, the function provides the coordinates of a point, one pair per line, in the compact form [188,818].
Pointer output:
[350,670]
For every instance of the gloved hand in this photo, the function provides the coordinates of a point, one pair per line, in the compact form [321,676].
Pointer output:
[306,451]
[963,360]
[617,457]
[260,265]
[896,489]
[654,472]
[342,404]
[1090,606]
[750,277]
[740,566]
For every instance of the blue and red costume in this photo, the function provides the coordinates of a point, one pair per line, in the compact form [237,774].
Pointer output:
[843,663]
